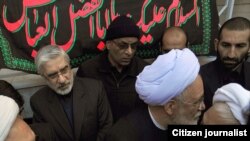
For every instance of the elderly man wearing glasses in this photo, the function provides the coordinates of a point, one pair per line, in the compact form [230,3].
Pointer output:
[76,108]
[118,66]
[174,95]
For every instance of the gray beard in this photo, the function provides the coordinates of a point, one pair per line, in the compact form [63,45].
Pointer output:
[62,92]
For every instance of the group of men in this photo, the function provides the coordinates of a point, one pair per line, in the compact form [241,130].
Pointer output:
[117,96]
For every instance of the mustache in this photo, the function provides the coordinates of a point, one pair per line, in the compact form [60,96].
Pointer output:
[230,59]
[63,85]
[198,114]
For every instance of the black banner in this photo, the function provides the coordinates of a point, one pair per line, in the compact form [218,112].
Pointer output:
[79,26]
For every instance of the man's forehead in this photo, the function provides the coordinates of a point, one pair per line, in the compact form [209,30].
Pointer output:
[56,63]
[230,32]
[235,37]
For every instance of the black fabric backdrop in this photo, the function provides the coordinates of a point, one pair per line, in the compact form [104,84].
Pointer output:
[79,26]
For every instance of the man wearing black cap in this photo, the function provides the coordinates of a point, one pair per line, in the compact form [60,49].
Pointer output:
[118,66]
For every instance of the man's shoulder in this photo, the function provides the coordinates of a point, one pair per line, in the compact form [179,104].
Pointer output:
[129,127]
[247,64]
[41,94]
[122,130]
[209,67]
[135,118]
[92,62]
[87,81]
[139,63]
[41,91]
[91,88]
[90,67]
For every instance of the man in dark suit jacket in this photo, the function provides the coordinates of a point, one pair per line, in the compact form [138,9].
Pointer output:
[118,67]
[232,46]
[76,108]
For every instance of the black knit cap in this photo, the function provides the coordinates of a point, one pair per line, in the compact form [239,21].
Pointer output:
[122,26]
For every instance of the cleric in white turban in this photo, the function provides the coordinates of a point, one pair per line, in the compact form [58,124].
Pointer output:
[167,77]
[8,113]
[237,98]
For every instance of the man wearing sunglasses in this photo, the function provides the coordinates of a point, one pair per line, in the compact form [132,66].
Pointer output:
[118,66]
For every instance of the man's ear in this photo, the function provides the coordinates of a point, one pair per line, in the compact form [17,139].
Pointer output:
[170,107]
[216,42]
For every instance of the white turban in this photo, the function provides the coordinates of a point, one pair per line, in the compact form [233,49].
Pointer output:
[237,98]
[167,76]
[8,113]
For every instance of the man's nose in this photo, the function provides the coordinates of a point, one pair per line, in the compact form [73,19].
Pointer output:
[129,50]
[231,52]
[61,78]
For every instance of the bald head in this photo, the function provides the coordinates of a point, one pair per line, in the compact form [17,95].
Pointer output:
[20,131]
[219,114]
[173,38]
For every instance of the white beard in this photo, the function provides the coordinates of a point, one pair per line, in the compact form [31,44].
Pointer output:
[62,91]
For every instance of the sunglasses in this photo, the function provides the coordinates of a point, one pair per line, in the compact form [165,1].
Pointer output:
[124,45]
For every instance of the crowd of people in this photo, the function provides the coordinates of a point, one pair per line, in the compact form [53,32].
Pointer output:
[116,96]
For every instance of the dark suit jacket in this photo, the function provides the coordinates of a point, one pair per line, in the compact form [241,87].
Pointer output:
[44,132]
[121,91]
[91,111]
[212,76]
[137,126]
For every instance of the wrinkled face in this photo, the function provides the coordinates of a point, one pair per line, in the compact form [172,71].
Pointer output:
[173,40]
[190,104]
[121,51]
[233,47]
[59,75]
[20,131]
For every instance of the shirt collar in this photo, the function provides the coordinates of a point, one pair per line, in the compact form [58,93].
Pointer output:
[155,122]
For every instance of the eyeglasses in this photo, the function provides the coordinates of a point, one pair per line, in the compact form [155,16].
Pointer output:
[62,72]
[197,103]
[124,45]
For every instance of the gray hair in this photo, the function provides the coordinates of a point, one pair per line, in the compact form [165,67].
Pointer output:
[48,53]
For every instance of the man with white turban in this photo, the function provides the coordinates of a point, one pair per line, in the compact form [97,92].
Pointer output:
[173,90]
[12,126]
[231,105]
